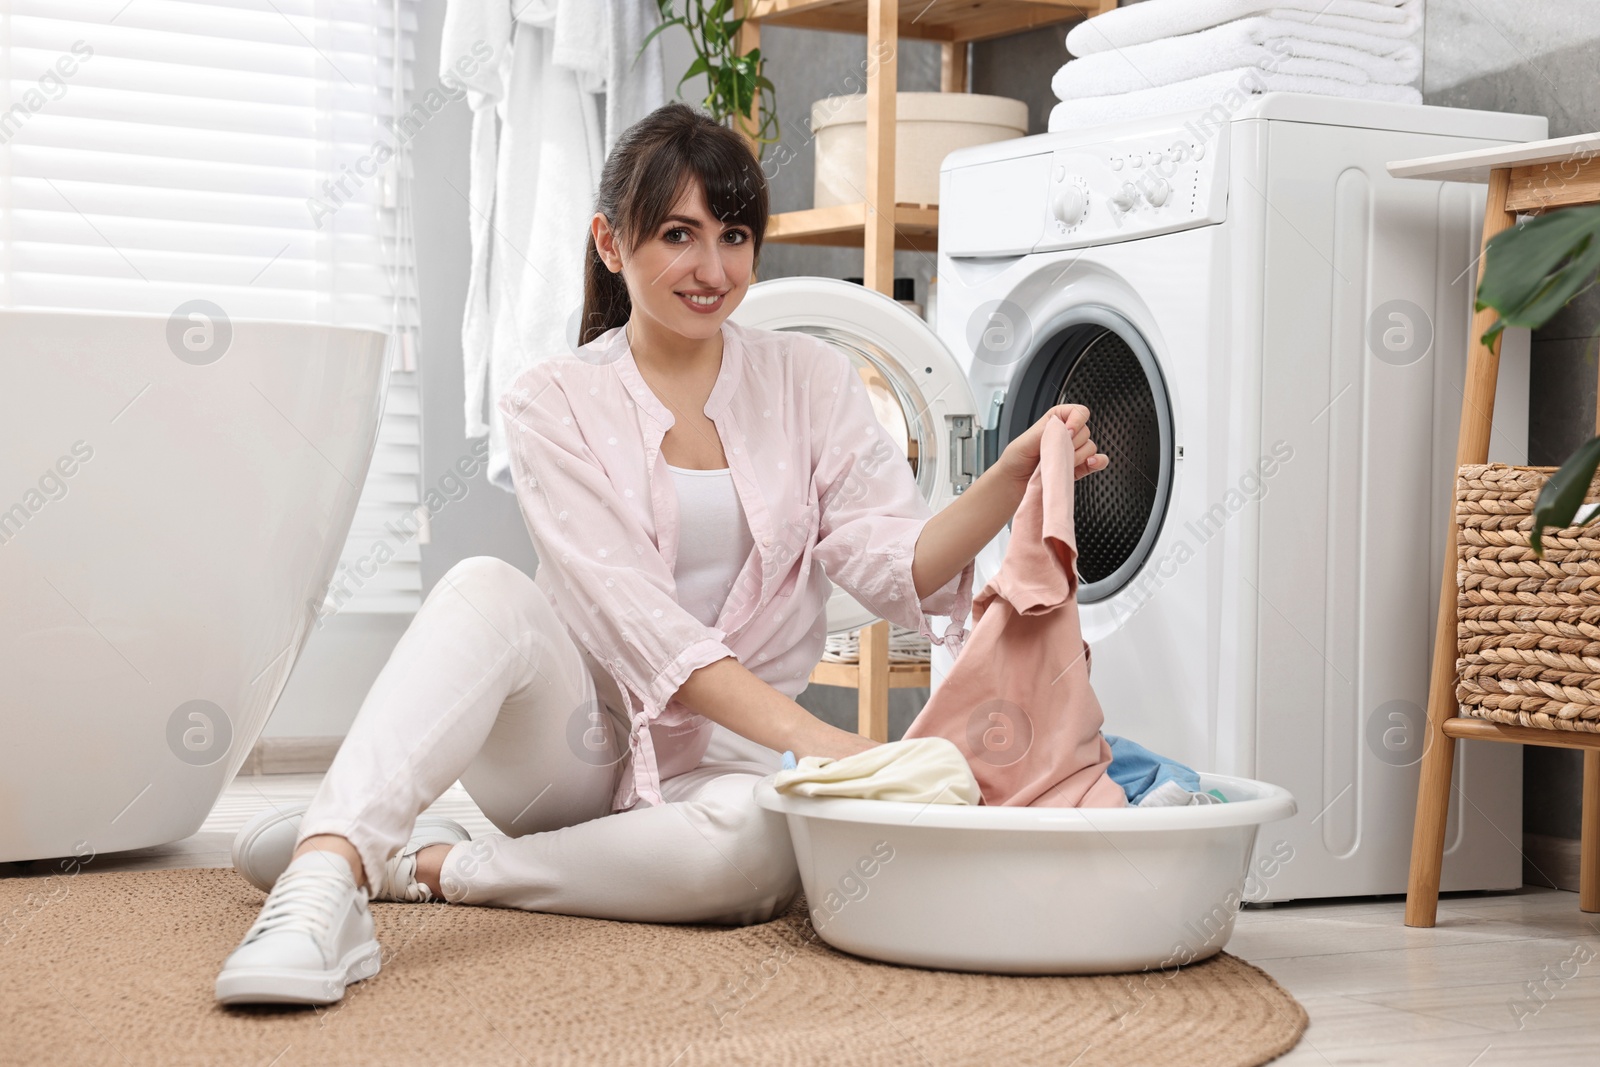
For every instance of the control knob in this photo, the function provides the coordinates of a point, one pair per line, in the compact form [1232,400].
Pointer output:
[1069,203]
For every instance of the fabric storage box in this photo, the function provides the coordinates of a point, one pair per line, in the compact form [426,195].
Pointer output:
[928,127]
[1528,629]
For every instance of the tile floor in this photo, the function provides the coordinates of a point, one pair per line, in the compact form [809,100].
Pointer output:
[1503,978]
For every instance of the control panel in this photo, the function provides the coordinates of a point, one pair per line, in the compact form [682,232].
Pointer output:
[1136,186]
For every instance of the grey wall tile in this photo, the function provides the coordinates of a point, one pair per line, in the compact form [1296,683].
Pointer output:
[1552,791]
[1559,84]
[1561,385]
[1580,319]
[1472,41]
[1020,66]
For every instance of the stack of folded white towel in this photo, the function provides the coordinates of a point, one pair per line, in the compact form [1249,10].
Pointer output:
[1162,56]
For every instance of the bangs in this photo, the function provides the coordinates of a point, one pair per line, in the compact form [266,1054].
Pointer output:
[735,188]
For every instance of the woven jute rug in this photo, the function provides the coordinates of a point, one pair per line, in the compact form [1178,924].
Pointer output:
[117,968]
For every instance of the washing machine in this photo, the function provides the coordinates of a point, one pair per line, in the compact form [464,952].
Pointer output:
[1270,334]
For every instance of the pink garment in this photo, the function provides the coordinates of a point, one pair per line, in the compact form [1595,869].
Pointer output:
[827,494]
[1017,701]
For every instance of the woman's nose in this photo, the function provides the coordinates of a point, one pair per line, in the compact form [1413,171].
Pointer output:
[710,272]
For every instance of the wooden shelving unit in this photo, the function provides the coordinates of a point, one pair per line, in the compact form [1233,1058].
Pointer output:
[914,227]
[872,678]
[953,23]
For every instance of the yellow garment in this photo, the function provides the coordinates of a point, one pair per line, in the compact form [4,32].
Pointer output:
[920,769]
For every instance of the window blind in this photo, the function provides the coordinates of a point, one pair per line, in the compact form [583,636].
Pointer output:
[251,153]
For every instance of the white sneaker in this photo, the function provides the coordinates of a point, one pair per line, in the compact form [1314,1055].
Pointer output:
[399,880]
[313,937]
[261,851]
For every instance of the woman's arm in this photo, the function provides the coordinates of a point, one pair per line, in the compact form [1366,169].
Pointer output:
[727,692]
[956,533]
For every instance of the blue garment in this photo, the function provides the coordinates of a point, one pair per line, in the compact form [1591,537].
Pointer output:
[1138,770]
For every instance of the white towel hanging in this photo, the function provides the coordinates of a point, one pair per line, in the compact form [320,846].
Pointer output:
[537,150]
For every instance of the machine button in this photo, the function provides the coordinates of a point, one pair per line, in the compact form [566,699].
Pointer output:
[1155,157]
[1158,193]
[1177,152]
[1116,164]
[1137,161]
[1125,198]
[1200,151]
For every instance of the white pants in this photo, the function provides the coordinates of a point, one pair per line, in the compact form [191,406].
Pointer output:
[487,686]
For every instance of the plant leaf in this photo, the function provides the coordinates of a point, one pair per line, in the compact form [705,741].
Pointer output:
[1520,258]
[1563,494]
[734,83]
[652,36]
[697,67]
[1533,270]
[1494,330]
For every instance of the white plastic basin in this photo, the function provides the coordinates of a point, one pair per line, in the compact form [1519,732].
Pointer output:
[1013,890]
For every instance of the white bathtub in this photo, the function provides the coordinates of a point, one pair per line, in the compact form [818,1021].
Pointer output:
[167,525]
[1013,890]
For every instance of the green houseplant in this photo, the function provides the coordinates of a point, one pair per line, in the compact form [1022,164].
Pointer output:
[735,81]
[1530,272]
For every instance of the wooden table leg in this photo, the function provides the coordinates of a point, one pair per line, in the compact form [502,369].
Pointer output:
[1589,848]
[1477,415]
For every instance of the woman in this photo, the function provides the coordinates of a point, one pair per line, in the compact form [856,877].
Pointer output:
[686,482]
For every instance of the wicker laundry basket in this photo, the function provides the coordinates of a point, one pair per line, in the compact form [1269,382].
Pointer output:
[1528,629]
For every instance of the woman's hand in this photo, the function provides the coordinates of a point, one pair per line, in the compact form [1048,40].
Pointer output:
[1021,456]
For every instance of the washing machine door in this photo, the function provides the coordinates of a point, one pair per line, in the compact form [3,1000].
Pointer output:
[1095,356]
[918,390]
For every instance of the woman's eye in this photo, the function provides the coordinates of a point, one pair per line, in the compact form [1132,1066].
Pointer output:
[742,235]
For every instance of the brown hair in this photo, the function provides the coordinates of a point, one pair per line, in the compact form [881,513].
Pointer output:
[648,169]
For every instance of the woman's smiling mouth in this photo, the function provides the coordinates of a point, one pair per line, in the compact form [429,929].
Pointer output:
[704,304]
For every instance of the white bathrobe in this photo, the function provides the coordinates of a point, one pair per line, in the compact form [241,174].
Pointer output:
[537,149]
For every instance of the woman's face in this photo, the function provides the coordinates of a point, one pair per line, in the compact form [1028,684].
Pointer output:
[689,255]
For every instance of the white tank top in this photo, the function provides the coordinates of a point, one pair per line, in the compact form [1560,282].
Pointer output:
[713,540]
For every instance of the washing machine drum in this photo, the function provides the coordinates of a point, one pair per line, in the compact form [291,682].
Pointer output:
[1096,358]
